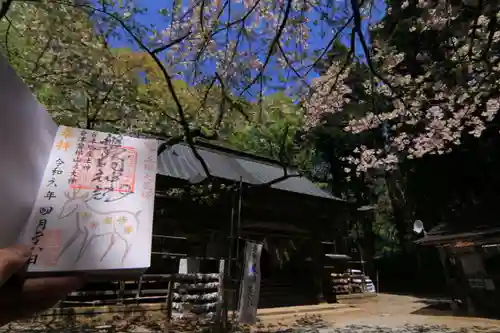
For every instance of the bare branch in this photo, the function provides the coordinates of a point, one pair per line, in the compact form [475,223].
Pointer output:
[290,65]
[222,106]
[272,46]
[183,120]
[282,152]
[359,31]
[40,56]
[474,28]
[278,180]
[330,44]
[170,44]
[238,21]
[225,97]
[7,34]
[5,8]
[492,27]
[188,133]
[102,102]
[207,92]
[202,11]
[181,138]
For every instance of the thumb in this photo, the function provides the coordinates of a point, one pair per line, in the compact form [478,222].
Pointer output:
[12,260]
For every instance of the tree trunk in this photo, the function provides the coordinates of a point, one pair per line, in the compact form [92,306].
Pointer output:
[399,210]
[368,243]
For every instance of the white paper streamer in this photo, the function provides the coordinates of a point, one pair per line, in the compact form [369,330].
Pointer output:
[250,284]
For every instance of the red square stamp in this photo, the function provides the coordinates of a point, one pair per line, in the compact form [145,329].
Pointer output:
[100,167]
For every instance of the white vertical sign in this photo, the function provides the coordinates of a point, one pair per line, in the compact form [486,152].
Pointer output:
[250,284]
[189,266]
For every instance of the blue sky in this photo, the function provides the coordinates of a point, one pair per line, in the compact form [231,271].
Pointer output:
[319,37]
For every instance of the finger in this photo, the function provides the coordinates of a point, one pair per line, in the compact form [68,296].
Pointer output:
[12,260]
[37,295]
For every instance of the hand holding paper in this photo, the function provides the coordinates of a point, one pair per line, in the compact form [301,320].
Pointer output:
[33,295]
[82,200]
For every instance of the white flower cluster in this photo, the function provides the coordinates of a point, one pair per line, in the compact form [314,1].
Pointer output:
[454,92]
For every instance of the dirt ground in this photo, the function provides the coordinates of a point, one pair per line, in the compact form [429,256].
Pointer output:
[395,311]
[399,314]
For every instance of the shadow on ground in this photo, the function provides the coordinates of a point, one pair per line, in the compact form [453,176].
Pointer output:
[442,307]
[433,307]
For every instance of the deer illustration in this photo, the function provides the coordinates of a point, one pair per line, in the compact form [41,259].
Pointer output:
[92,224]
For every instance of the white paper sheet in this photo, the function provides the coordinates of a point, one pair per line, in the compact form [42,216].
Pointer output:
[27,132]
[189,266]
[94,210]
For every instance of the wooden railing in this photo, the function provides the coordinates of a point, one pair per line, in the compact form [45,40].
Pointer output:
[183,294]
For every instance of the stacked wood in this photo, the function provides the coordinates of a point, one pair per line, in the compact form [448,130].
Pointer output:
[361,283]
[352,281]
[340,283]
[195,295]
[357,283]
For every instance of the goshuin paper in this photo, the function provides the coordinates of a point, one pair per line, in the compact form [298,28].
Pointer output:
[81,199]
[94,208]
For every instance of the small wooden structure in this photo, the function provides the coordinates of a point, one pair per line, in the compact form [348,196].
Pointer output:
[471,260]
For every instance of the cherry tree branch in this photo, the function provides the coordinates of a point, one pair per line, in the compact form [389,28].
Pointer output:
[272,46]
[7,34]
[238,21]
[291,66]
[170,44]
[5,8]
[188,133]
[329,45]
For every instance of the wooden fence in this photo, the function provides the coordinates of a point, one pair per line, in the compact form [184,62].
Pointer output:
[183,294]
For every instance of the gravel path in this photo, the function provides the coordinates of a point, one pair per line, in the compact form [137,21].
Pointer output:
[406,329]
[397,314]
[383,314]
[406,311]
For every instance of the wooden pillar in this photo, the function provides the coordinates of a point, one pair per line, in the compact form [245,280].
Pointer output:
[221,314]
[449,282]
[170,293]
[220,293]
[368,243]
[318,263]
[121,292]
[471,266]
[139,290]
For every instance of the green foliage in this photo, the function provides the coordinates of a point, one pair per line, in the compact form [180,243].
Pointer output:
[69,66]
[273,132]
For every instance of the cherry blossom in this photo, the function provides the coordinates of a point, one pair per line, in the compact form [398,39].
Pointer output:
[329,95]
[236,37]
[436,97]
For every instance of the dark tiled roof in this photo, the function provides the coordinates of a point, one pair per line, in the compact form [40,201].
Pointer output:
[447,234]
[179,161]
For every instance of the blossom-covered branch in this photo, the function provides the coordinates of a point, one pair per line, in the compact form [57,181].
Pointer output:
[433,95]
